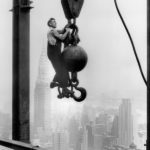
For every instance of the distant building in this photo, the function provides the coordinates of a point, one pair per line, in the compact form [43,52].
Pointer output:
[99,129]
[115,130]
[73,133]
[87,142]
[98,142]
[90,137]
[101,119]
[60,140]
[42,96]
[84,145]
[85,117]
[125,123]
[79,138]
[99,133]
[106,120]
[103,131]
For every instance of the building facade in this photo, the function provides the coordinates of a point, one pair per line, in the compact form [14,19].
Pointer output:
[42,97]
[125,123]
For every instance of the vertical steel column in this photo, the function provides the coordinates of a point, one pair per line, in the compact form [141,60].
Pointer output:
[21,84]
[148,75]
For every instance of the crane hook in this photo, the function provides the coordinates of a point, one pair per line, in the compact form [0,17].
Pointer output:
[82,95]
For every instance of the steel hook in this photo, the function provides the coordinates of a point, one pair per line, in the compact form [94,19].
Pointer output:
[82,95]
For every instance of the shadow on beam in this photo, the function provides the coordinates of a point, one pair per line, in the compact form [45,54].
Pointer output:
[16,145]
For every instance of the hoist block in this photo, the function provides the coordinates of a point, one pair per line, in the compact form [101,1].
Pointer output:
[75,58]
[72,8]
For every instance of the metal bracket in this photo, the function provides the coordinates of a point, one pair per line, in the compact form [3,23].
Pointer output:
[24,6]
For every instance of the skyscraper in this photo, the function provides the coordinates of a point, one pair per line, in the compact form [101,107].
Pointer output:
[115,129]
[42,95]
[84,145]
[125,123]
[100,131]
[90,136]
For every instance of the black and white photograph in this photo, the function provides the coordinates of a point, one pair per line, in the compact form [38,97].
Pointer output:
[75,75]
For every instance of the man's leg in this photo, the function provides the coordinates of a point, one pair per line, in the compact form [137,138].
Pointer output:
[56,80]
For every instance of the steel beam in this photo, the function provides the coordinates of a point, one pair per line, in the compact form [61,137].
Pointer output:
[20,77]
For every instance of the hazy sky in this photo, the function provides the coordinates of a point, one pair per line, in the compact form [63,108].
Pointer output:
[111,68]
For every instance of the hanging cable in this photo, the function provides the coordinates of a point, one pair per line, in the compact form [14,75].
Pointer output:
[132,43]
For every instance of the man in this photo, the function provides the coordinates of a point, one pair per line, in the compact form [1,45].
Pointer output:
[55,39]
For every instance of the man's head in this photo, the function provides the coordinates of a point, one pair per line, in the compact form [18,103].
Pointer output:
[52,23]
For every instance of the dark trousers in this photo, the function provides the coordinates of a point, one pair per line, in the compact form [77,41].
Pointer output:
[54,55]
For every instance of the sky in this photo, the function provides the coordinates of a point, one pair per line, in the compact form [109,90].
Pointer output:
[111,69]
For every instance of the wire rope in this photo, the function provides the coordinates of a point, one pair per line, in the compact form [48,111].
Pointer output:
[132,43]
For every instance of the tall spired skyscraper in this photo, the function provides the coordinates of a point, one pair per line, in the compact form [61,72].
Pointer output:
[42,96]
[125,121]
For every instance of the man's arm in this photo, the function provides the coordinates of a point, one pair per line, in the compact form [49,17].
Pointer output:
[61,36]
[61,31]
[64,29]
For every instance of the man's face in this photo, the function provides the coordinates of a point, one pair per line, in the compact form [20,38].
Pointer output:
[53,23]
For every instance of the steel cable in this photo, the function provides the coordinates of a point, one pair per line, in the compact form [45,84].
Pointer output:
[132,43]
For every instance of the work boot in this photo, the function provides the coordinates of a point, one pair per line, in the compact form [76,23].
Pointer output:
[53,84]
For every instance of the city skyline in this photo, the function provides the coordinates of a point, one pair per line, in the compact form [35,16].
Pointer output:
[111,73]
[111,125]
